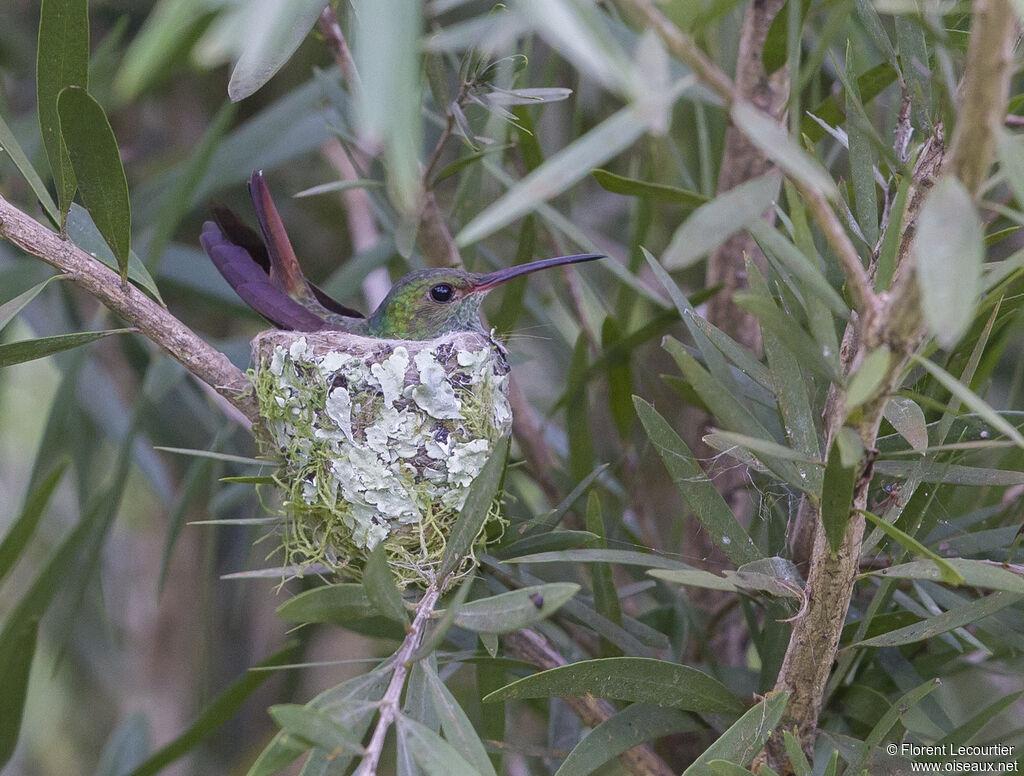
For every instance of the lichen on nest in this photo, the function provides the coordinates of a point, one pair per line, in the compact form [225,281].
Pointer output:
[379,441]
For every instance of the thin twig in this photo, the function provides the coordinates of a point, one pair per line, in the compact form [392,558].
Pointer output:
[532,648]
[390,704]
[857,280]
[984,91]
[132,305]
[681,46]
[446,133]
[335,40]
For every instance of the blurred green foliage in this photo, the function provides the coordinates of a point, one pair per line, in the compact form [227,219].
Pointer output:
[539,127]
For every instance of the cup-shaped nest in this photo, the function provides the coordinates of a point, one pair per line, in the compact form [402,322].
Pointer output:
[379,440]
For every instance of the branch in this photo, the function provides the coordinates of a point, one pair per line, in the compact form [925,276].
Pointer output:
[390,704]
[335,40]
[857,280]
[984,91]
[681,46]
[130,304]
[532,648]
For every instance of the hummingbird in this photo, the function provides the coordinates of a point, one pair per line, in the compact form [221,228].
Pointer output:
[425,304]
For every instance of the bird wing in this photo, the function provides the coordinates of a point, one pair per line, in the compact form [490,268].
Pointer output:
[246,275]
[284,267]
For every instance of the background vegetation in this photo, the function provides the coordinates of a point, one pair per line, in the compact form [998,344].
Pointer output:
[779,417]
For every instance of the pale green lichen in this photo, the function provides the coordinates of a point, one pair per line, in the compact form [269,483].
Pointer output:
[380,441]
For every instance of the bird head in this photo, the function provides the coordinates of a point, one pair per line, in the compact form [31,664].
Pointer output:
[430,303]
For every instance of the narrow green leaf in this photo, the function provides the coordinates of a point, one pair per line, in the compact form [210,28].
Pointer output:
[386,46]
[713,357]
[70,563]
[734,415]
[219,711]
[907,418]
[475,510]
[947,571]
[29,350]
[891,239]
[977,573]
[706,502]
[96,161]
[431,752]
[315,726]
[192,173]
[632,187]
[865,382]
[837,495]
[950,474]
[912,47]
[620,376]
[24,526]
[773,56]
[623,557]
[965,732]
[335,187]
[17,649]
[150,55]
[637,679]
[726,768]
[514,610]
[337,604]
[724,440]
[636,724]
[10,144]
[1011,162]
[577,411]
[10,308]
[62,60]
[802,267]
[863,157]
[881,729]
[606,597]
[444,624]
[869,17]
[381,588]
[742,358]
[456,725]
[84,233]
[745,737]
[776,576]
[774,142]
[971,399]
[272,37]
[957,617]
[712,223]
[870,84]
[558,173]
[213,455]
[352,704]
[796,755]
[790,334]
[949,248]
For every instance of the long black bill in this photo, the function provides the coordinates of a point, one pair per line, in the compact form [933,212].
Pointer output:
[492,279]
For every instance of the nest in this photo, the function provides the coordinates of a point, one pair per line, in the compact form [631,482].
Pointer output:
[379,440]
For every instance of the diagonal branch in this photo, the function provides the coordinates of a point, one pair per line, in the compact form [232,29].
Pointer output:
[684,48]
[130,304]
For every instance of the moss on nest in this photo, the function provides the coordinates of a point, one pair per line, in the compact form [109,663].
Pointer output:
[379,441]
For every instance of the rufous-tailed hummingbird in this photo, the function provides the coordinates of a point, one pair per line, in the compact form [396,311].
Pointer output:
[423,305]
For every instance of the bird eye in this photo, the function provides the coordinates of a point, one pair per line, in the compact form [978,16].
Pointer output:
[442,292]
